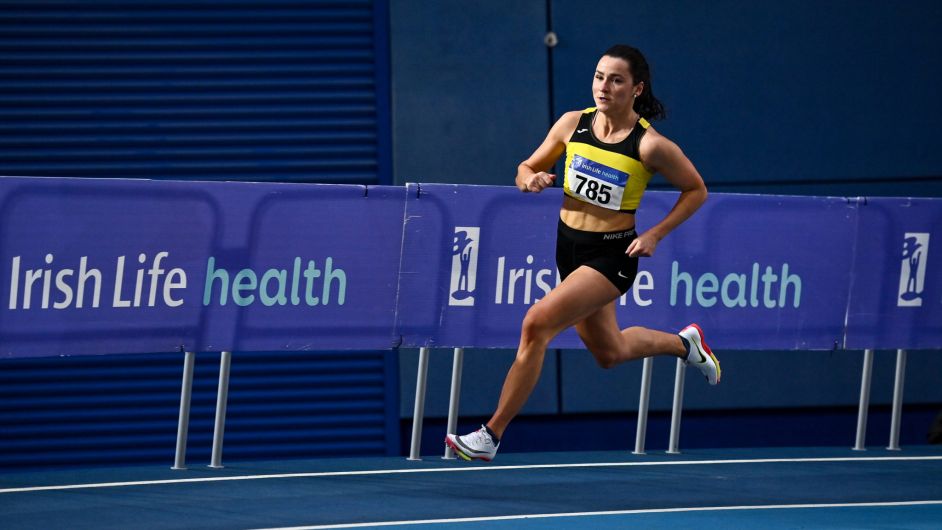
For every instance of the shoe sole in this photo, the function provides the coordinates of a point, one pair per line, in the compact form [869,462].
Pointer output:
[709,352]
[459,452]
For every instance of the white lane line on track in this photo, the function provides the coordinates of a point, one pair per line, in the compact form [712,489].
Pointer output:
[465,469]
[619,512]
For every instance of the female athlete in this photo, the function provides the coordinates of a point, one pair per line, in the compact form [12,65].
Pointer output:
[611,153]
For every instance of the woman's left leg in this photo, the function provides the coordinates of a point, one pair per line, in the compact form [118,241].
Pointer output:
[612,346]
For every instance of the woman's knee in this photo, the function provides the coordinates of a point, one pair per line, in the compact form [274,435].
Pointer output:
[537,326]
[606,359]
[609,356]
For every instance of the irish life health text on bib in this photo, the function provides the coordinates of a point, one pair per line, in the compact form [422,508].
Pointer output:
[597,183]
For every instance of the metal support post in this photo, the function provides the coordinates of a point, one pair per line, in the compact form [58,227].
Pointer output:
[864,401]
[678,405]
[222,397]
[183,425]
[454,398]
[897,400]
[643,402]
[418,413]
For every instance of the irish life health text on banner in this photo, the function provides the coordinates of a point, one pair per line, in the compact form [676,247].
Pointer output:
[755,272]
[94,266]
[97,266]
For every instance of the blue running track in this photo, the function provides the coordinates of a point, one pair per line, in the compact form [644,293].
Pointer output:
[767,488]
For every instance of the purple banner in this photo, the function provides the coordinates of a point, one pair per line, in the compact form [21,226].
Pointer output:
[757,272]
[896,300]
[122,266]
[474,259]
[93,266]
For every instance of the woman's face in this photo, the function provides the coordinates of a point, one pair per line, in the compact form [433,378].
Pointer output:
[613,87]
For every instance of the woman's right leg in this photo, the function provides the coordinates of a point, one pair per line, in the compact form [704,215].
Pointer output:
[581,294]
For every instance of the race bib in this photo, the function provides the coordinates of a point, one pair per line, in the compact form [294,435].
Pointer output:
[596,183]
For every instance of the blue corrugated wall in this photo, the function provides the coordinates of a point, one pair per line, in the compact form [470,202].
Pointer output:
[123,408]
[233,90]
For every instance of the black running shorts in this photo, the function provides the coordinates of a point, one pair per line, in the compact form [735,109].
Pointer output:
[602,251]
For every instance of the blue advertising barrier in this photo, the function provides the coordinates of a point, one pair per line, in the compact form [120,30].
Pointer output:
[122,266]
[767,272]
[93,266]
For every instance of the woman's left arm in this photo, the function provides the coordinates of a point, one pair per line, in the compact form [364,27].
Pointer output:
[665,157]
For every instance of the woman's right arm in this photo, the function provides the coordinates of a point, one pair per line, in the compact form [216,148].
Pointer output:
[531,173]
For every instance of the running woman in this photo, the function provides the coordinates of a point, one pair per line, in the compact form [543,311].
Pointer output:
[611,153]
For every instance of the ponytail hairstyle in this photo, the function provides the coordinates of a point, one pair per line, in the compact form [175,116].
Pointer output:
[646,105]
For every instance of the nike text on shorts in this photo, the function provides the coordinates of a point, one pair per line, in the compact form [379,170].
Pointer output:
[601,251]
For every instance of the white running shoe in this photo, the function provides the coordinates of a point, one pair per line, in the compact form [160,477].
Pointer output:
[700,354]
[477,445]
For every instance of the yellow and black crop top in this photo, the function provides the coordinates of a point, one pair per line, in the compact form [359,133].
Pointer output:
[607,175]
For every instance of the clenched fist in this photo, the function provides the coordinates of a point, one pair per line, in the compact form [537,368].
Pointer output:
[538,182]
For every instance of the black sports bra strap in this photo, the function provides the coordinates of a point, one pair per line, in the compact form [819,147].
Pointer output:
[634,140]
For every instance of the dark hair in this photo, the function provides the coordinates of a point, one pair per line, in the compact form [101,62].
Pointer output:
[646,105]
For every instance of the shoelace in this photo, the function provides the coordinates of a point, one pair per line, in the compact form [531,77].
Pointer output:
[480,437]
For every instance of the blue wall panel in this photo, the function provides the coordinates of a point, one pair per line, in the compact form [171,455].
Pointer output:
[760,92]
[751,380]
[469,89]
[482,378]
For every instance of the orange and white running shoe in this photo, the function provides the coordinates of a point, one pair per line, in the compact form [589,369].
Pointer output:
[700,354]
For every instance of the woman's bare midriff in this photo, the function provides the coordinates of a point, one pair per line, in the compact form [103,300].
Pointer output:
[590,218]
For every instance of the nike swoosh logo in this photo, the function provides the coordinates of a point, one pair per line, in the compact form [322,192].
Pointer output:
[467,449]
[702,358]
[622,275]
[582,130]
